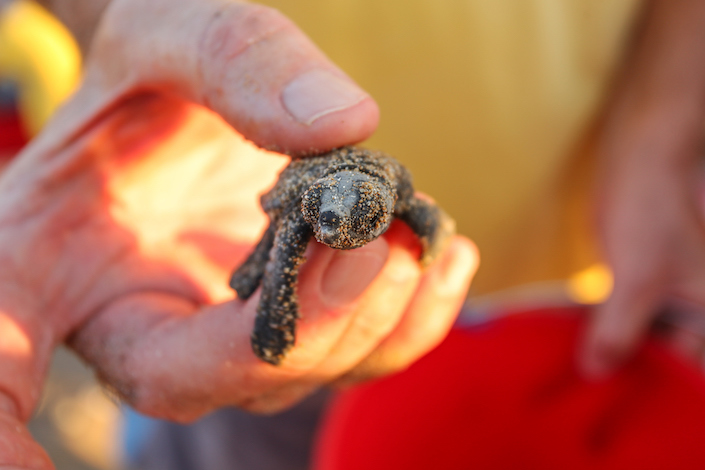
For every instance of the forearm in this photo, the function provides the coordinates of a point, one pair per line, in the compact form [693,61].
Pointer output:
[660,96]
[648,206]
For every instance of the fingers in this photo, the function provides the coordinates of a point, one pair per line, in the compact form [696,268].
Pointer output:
[617,327]
[377,312]
[137,343]
[657,254]
[649,148]
[330,286]
[643,302]
[639,238]
[652,240]
[429,316]
[246,62]
[400,317]
[381,309]
[637,262]
[171,359]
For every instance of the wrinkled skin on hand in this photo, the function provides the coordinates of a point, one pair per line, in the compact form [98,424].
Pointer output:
[120,222]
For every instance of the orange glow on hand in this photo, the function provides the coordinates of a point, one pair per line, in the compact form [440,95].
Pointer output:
[14,341]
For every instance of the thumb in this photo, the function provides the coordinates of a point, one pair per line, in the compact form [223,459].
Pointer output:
[246,62]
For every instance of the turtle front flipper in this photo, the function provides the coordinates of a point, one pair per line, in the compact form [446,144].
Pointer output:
[248,276]
[274,333]
[433,227]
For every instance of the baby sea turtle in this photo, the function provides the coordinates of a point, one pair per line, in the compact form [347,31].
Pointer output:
[345,198]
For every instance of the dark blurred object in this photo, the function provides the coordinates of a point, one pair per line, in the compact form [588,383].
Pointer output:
[506,395]
[13,136]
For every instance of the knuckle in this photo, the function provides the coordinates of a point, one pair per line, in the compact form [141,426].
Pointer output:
[236,27]
[154,398]
[223,56]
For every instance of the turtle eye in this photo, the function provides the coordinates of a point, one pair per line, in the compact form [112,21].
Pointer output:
[369,215]
[311,203]
[365,218]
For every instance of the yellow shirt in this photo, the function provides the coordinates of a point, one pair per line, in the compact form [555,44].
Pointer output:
[489,103]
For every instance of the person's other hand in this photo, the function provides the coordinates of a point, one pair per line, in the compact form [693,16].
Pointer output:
[121,222]
[651,204]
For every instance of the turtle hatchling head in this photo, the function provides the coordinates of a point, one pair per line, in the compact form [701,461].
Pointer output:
[348,209]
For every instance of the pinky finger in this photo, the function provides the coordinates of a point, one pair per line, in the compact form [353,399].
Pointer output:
[429,317]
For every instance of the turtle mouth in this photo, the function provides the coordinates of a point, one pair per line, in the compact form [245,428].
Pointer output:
[329,228]
[328,236]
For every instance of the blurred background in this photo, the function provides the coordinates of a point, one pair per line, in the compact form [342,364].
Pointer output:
[77,422]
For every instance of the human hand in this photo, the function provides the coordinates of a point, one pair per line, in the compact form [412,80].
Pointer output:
[121,222]
[651,207]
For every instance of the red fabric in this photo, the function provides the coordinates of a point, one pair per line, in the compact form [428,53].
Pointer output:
[12,133]
[505,395]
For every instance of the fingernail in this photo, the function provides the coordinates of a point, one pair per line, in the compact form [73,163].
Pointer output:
[349,273]
[317,93]
[457,267]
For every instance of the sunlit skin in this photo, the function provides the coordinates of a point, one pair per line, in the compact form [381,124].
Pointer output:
[121,222]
